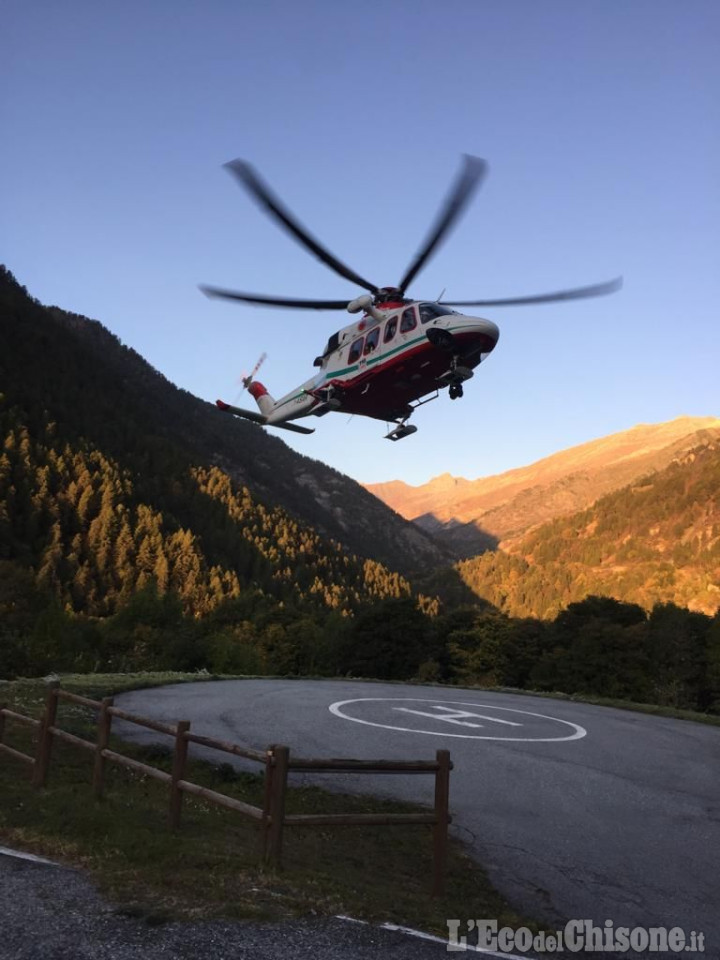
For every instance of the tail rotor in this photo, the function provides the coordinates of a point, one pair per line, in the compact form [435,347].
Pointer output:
[246,379]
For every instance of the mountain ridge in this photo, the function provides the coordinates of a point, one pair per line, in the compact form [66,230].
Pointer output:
[470,516]
[655,541]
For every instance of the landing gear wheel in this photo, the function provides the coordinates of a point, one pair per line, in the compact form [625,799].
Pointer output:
[455,391]
[458,390]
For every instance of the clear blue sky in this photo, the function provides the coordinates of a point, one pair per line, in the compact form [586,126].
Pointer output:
[600,122]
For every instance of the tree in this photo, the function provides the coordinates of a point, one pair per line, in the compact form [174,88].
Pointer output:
[681,652]
[388,640]
[477,654]
[21,603]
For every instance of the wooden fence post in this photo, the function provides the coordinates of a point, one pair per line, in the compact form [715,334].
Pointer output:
[267,795]
[440,831]
[178,772]
[281,758]
[103,739]
[45,739]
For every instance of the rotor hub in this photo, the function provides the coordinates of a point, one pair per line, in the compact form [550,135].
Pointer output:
[389,295]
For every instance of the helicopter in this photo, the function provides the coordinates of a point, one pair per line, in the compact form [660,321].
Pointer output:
[400,352]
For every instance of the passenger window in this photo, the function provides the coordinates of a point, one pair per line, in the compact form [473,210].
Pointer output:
[356,350]
[390,328]
[408,322]
[371,341]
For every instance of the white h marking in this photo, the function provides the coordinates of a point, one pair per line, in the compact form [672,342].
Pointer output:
[456,716]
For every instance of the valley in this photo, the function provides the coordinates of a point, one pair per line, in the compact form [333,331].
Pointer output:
[141,529]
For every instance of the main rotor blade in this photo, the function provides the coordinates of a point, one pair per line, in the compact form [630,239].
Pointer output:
[251,180]
[473,171]
[595,290]
[258,298]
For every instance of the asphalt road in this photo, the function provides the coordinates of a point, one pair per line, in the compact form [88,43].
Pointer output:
[49,912]
[576,811]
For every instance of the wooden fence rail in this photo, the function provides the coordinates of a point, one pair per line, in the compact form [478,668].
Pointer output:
[7,714]
[276,760]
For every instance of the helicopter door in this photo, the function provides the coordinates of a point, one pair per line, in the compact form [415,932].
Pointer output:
[356,350]
[390,329]
[408,322]
[371,341]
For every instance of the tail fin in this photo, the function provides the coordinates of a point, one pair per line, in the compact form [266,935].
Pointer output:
[261,397]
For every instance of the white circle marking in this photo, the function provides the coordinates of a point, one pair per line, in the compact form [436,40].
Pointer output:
[335,708]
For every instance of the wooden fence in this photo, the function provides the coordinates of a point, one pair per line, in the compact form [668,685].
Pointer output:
[276,760]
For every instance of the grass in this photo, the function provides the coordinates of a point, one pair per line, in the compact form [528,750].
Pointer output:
[212,866]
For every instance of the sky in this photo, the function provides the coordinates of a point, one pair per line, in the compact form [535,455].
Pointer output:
[600,124]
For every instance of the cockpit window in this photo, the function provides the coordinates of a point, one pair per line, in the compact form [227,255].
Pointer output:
[356,350]
[390,328]
[371,340]
[408,321]
[431,311]
[332,344]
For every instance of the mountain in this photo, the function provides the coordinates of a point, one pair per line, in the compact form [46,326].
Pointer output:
[78,373]
[471,516]
[654,541]
[111,479]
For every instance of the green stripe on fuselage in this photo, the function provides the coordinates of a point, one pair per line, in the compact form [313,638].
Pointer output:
[331,375]
[384,356]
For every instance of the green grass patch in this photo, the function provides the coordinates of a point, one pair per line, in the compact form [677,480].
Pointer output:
[212,866]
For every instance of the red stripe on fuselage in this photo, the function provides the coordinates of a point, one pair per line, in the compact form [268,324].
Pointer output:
[386,389]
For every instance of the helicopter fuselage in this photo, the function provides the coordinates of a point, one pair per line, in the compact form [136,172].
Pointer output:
[384,363]
[401,352]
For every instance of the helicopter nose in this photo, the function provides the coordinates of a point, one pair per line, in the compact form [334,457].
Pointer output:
[492,330]
[485,330]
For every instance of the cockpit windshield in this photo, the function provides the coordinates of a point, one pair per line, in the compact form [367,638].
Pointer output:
[332,345]
[431,311]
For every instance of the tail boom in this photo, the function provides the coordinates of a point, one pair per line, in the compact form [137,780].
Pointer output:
[260,418]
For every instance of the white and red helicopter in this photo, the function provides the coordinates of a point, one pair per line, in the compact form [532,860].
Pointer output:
[400,353]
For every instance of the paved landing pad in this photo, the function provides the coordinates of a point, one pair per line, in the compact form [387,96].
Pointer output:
[462,719]
[621,822]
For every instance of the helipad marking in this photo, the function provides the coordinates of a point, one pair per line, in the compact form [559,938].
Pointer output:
[336,709]
[456,716]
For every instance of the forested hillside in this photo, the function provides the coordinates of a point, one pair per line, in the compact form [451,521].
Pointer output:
[66,369]
[471,516]
[657,540]
[96,532]
[104,499]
